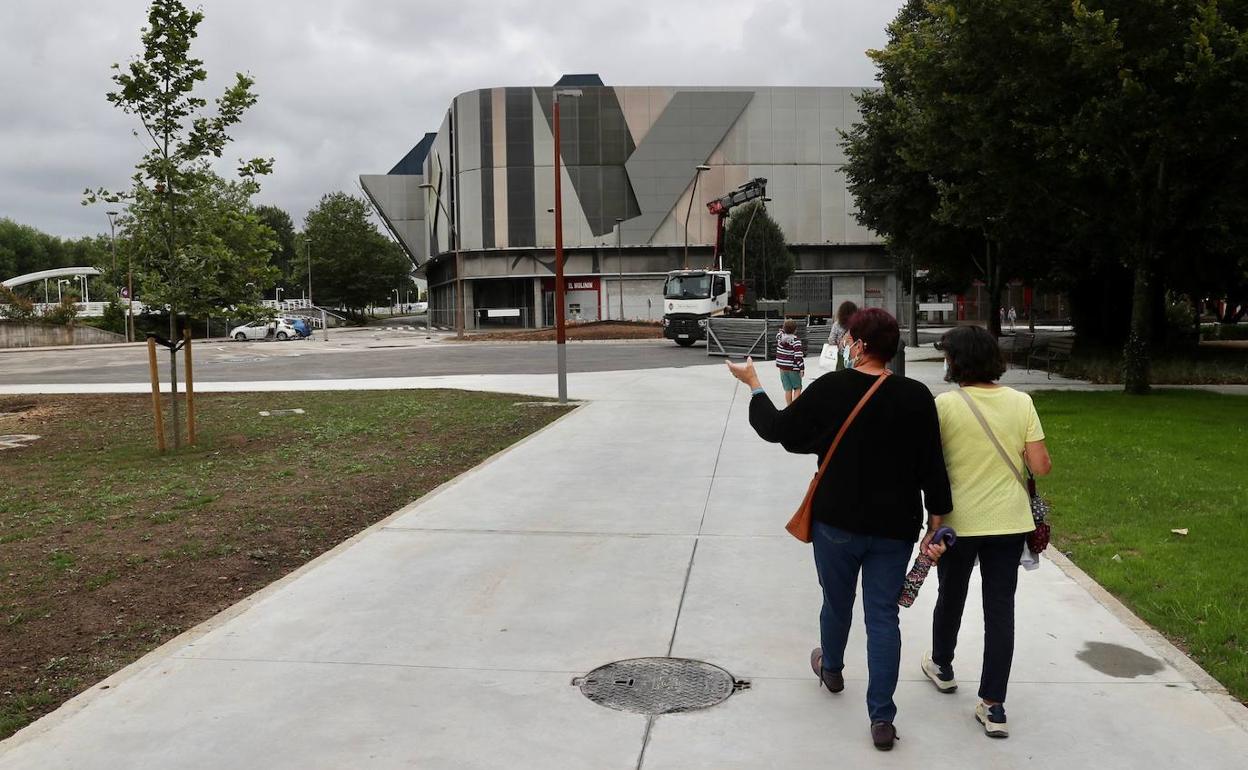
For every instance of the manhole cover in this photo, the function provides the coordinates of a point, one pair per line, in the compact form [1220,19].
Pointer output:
[658,685]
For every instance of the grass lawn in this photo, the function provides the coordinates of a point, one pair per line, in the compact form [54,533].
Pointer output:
[1127,470]
[108,549]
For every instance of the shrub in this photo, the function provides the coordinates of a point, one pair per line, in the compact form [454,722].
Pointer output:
[14,306]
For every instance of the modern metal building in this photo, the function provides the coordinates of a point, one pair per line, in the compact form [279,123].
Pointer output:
[472,202]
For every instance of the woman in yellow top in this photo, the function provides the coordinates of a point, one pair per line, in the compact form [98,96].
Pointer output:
[991,511]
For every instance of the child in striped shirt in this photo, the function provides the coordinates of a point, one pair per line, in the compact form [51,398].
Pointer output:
[790,360]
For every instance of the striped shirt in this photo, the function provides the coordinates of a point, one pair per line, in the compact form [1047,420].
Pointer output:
[789,353]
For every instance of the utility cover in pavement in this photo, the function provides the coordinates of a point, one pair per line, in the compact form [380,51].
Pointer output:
[658,685]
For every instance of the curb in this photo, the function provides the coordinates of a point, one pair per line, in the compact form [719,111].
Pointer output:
[166,651]
[1179,660]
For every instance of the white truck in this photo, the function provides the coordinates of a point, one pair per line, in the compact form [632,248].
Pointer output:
[690,298]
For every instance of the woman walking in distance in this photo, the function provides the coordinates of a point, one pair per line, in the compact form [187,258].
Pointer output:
[991,511]
[868,508]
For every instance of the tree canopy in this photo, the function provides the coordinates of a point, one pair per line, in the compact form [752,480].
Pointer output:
[768,261]
[1088,142]
[353,264]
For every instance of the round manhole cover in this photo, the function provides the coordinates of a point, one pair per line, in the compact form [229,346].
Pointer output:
[658,685]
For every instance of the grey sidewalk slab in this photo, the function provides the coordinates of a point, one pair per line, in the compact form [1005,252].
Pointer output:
[645,523]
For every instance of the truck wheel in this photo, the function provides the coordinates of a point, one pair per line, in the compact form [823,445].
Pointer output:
[685,343]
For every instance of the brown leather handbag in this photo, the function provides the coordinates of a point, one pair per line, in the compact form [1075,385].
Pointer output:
[799,525]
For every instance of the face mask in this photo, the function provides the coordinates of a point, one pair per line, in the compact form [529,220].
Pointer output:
[946,368]
[849,364]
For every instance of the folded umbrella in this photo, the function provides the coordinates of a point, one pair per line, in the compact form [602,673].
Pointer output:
[923,565]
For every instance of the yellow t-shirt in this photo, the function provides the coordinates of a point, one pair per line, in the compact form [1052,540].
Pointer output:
[987,498]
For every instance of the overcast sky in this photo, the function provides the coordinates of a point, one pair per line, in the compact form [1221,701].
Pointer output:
[348,86]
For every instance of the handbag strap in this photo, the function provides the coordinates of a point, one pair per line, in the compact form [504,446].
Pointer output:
[1005,457]
[823,466]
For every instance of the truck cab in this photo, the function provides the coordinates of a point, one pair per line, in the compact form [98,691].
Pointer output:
[690,298]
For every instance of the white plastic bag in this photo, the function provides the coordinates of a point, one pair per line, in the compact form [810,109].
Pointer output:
[828,357]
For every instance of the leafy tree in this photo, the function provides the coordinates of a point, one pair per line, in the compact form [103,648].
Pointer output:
[226,248]
[24,249]
[768,261]
[1074,139]
[353,264]
[1159,143]
[158,88]
[285,254]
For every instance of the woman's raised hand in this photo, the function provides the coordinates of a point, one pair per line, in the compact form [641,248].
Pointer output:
[744,371]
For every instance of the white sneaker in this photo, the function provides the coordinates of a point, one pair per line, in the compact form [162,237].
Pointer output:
[993,720]
[941,677]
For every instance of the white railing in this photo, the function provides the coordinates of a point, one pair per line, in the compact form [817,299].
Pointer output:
[85,309]
[286,304]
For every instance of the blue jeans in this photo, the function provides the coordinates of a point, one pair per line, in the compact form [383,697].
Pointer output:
[839,557]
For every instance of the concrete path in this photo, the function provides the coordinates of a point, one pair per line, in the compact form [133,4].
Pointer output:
[646,523]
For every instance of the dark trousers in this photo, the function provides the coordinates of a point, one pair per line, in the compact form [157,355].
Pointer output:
[839,557]
[998,571]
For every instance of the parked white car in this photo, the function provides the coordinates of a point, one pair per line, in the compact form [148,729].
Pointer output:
[260,330]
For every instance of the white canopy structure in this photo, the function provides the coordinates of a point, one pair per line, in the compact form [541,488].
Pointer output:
[60,272]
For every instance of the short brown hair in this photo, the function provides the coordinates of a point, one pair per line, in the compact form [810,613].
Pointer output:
[877,329]
[790,326]
[845,312]
[973,355]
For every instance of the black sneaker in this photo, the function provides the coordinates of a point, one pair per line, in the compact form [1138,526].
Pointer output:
[941,676]
[993,720]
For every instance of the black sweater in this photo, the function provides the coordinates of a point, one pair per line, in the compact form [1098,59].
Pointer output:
[888,456]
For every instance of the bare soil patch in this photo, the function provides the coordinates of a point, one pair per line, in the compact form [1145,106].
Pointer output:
[108,549]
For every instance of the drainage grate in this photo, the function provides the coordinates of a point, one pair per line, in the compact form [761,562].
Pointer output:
[658,685]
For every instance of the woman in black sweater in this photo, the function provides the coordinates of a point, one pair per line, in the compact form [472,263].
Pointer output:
[868,508]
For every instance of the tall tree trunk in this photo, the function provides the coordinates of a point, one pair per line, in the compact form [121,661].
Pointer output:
[993,277]
[1135,355]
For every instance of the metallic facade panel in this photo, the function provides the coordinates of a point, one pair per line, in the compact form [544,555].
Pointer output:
[682,137]
[630,152]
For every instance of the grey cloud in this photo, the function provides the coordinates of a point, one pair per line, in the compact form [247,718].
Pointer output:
[347,86]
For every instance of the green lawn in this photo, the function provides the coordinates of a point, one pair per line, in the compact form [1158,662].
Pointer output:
[1126,471]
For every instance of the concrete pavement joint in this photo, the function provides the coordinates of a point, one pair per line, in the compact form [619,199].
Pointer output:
[187,638]
[373,664]
[1188,668]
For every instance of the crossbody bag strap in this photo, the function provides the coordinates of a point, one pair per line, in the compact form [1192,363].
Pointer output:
[1005,457]
[849,421]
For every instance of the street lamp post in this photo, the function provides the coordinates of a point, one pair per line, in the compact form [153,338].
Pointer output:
[914,305]
[619,260]
[112,238]
[560,325]
[307,247]
[689,209]
[746,238]
[459,266]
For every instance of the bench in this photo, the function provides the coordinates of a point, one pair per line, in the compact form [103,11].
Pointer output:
[1055,351]
[1017,348]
